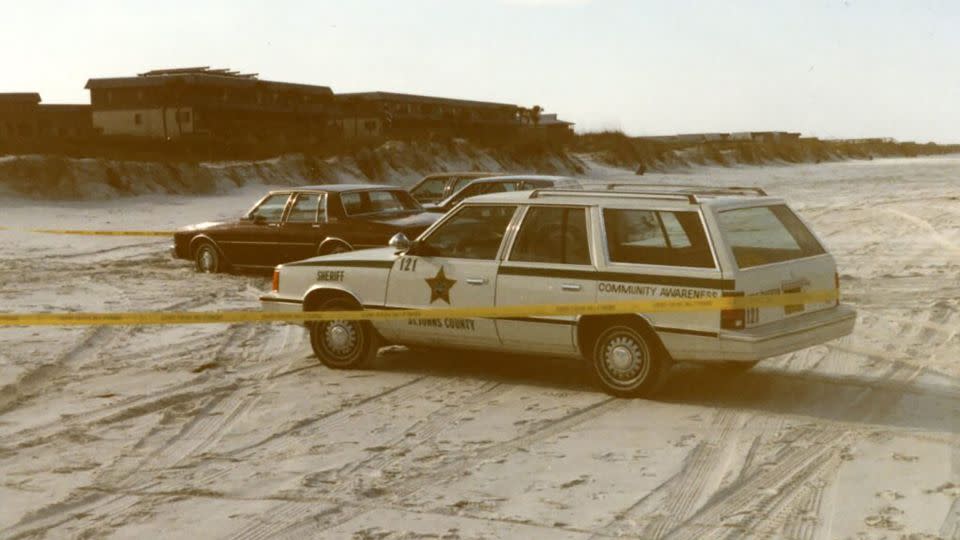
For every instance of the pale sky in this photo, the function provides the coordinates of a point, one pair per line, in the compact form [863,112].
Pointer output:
[831,68]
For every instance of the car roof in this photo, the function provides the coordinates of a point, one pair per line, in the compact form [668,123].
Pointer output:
[340,188]
[462,174]
[516,177]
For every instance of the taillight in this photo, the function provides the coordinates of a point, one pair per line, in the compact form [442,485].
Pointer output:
[732,319]
[276,280]
[836,285]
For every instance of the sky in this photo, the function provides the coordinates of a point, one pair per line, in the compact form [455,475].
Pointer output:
[828,68]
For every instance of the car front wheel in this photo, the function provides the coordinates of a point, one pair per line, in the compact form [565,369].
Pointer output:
[207,259]
[628,363]
[342,344]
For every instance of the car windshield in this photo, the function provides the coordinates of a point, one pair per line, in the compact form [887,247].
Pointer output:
[370,202]
[430,189]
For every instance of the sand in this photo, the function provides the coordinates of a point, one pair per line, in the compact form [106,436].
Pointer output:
[236,431]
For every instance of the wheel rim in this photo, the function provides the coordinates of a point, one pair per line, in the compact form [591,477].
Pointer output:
[624,359]
[341,340]
[206,260]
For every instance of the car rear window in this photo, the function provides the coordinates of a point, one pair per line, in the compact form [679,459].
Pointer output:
[767,234]
[657,237]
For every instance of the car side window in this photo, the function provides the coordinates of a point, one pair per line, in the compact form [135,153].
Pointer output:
[304,210]
[352,202]
[473,232]
[657,237]
[271,208]
[553,234]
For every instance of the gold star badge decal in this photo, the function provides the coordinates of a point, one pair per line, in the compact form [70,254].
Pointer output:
[440,287]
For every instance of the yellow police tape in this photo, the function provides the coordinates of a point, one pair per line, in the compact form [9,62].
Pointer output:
[83,232]
[494,312]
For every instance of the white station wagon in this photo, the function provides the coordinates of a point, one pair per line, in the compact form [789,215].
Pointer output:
[619,243]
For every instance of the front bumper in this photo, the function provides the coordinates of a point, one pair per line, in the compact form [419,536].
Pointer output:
[788,335]
[273,302]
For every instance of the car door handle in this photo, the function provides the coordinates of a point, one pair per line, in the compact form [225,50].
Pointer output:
[477,281]
[570,287]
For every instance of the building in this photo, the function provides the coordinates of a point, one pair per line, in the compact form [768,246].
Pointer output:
[24,118]
[218,105]
[548,126]
[382,114]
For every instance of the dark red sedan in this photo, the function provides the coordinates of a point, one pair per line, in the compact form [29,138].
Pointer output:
[299,223]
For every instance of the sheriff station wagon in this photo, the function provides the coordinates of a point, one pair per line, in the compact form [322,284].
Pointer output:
[620,243]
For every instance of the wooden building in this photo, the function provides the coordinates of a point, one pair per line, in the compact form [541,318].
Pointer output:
[386,114]
[216,105]
[24,118]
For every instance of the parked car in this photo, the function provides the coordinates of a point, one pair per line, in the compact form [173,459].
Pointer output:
[434,188]
[500,184]
[603,245]
[298,223]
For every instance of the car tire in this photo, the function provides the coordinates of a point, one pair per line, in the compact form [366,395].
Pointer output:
[343,344]
[333,248]
[206,259]
[628,362]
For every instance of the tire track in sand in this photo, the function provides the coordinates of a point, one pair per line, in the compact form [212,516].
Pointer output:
[300,519]
[110,496]
[762,500]
[682,494]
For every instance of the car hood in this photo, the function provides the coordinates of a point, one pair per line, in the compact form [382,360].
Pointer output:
[372,255]
[419,220]
[207,226]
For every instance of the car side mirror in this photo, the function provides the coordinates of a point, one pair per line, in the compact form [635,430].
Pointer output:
[259,219]
[400,242]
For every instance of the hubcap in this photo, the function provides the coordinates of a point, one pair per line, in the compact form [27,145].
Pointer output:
[625,359]
[206,260]
[340,337]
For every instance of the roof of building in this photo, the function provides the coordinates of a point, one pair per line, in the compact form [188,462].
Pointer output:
[20,97]
[200,76]
[414,98]
[552,120]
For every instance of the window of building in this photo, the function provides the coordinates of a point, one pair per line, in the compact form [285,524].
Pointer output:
[657,237]
[370,126]
[137,119]
[552,234]
[185,116]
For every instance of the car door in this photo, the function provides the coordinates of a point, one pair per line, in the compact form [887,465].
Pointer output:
[301,229]
[256,241]
[548,263]
[455,266]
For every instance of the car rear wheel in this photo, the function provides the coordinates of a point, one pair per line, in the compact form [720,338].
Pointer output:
[206,259]
[342,344]
[628,363]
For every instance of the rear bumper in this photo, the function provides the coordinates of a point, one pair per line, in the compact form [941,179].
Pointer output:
[788,335]
[275,303]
